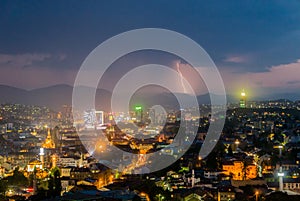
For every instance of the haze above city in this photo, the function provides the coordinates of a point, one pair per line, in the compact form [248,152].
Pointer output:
[254,45]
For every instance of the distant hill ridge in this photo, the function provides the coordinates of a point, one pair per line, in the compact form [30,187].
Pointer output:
[56,96]
[53,97]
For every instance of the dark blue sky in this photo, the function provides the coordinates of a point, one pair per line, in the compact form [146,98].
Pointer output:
[248,40]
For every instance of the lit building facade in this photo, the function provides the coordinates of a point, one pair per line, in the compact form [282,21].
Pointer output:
[237,170]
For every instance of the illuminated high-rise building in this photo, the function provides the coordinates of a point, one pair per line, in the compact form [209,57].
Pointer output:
[243,100]
[56,136]
[89,119]
[99,121]
[99,117]
[67,112]
[151,116]
[54,159]
[139,113]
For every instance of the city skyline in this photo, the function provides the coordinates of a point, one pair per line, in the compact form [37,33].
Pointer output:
[149,100]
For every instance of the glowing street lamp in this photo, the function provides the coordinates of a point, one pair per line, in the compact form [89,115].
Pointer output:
[256,195]
[145,195]
[236,143]
[280,150]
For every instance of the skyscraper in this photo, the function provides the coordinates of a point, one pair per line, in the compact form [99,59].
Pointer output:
[243,100]
[139,113]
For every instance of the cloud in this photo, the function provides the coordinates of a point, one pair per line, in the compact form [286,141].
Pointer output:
[282,77]
[30,78]
[279,76]
[293,82]
[33,70]
[62,57]
[21,60]
[237,59]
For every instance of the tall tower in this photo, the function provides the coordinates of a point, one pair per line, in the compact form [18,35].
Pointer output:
[139,113]
[193,178]
[56,137]
[42,153]
[243,99]
[280,175]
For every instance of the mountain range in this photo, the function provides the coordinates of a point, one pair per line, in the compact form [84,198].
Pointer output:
[56,96]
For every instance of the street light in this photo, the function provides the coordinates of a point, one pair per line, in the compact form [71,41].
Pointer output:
[280,150]
[256,195]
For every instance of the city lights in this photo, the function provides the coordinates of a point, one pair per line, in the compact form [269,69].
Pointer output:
[150,100]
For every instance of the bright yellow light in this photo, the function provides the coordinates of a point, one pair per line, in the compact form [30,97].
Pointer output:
[243,94]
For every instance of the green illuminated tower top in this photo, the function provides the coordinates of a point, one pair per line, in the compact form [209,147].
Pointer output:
[137,108]
[243,99]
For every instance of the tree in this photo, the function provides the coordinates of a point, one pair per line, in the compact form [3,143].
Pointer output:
[230,152]
[245,170]
[211,161]
[214,159]
[17,179]
[3,186]
[54,182]
[57,182]
[278,196]
[50,186]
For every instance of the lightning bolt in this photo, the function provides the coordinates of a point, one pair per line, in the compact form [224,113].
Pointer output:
[181,77]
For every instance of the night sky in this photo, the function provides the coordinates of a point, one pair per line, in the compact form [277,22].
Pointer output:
[255,44]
